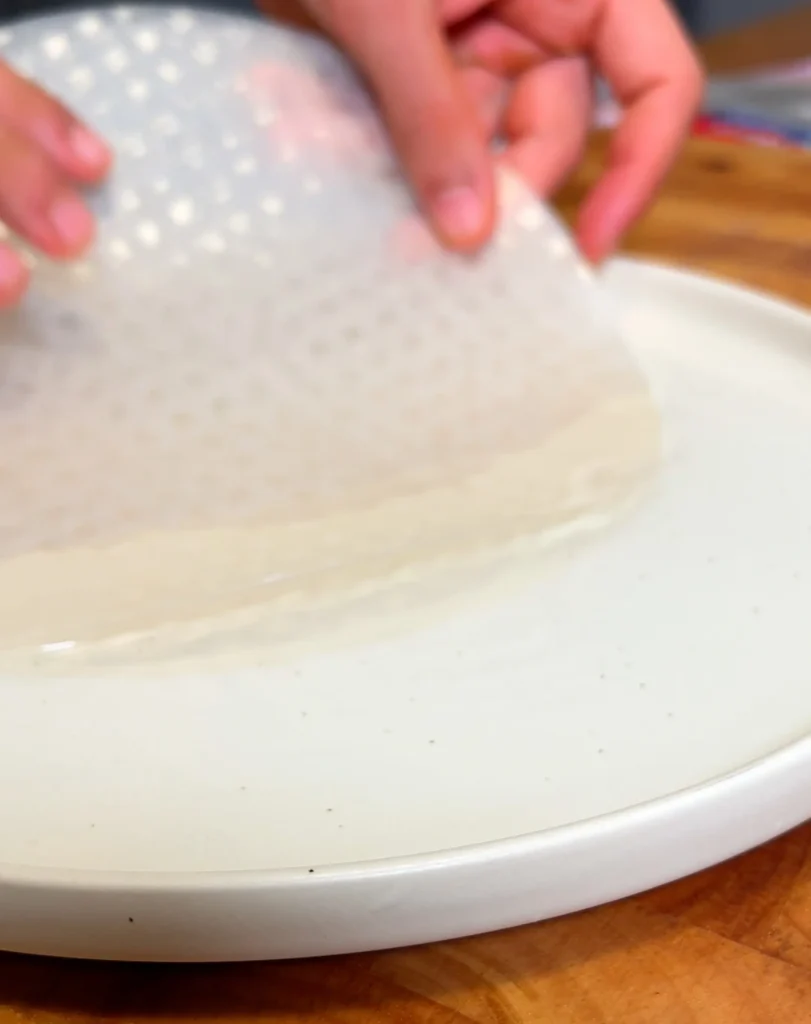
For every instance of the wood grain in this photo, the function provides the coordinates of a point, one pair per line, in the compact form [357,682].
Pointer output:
[782,38]
[736,212]
[729,946]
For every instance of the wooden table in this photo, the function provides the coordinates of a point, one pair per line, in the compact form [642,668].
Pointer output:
[785,37]
[730,946]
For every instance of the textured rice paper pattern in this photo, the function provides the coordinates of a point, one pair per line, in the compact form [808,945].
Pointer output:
[267,383]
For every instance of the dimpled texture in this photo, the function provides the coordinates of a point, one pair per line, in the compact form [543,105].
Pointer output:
[265,332]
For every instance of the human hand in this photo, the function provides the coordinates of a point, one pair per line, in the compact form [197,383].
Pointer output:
[46,155]
[452,75]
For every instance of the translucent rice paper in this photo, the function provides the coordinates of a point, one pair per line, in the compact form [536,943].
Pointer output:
[268,384]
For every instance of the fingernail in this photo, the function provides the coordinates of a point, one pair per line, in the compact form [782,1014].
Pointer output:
[460,214]
[87,148]
[72,221]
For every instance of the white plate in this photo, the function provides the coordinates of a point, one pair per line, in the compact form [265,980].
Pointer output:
[636,714]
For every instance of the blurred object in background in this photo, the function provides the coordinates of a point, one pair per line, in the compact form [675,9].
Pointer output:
[706,17]
[702,17]
[770,106]
[766,106]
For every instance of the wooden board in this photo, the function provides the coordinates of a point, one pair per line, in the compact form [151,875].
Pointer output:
[737,212]
[782,38]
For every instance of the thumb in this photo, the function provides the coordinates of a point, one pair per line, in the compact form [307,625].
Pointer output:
[400,47]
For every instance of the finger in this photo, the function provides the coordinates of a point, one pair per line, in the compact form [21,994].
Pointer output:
[38,117]
[547,122]
[14,277]
[451,12]
[490,55]
[657,79]
[490,94]
[489,43]
[402,50]
[36,201]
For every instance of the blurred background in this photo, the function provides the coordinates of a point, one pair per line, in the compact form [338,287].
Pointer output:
[705,17]
[702,17]
[758,54]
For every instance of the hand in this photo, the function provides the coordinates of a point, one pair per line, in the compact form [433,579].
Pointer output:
[451,74]
[46,155]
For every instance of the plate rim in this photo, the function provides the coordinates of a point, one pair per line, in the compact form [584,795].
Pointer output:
[783,759]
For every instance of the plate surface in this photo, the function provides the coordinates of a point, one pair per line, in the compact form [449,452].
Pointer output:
[635,713]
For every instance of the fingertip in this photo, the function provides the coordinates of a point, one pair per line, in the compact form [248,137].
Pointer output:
[463,214]
[452,173]
[14,277]
[595,251]
[432,119]
[611,208]
[38,204]
[72,226]
[91,157]
[35,115]
[595,238]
